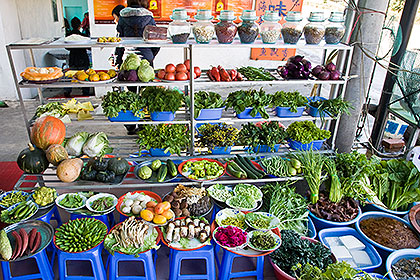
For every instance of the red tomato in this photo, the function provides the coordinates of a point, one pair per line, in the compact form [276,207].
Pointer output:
[170,76]
[188,75]
[161,74]
[170,68]
[181,76]
[187,63]
[181,68]
[197,71]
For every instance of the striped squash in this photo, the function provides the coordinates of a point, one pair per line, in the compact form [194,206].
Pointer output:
[47,131]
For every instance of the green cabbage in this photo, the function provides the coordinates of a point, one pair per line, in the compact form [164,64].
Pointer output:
[132,62]
[97,145]
[75,143]
[145,71]
[149,242]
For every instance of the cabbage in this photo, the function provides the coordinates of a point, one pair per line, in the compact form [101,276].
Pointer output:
[97,145]
[75,143]
[132,62]
[145,71]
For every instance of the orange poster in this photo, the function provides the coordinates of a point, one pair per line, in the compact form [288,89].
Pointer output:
[282,6]
[103,9]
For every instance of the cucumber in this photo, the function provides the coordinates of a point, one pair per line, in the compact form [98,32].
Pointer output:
[171,168]
[236,166]
[249,173]
[247,167]
[161,175]
[235,173]
[252,166]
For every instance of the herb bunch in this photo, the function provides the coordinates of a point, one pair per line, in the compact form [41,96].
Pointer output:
[332,107]
[217,135]
[205,100]
[160,99]
[256,74]
[116,101]
[292,99]
[257,99]
[334,271]
[306,132]
[266,133]
[171,137]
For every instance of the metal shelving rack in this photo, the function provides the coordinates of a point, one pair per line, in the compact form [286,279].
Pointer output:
[182,117]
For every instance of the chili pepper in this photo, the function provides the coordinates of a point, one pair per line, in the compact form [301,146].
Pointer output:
[233,73]
[210,76]
[239,76]
[215,73]
[224,75]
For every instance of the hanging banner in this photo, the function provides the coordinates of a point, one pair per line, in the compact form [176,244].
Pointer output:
[282,6]
[162,9]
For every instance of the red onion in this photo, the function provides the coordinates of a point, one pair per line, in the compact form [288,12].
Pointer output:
[324,75]
[318,69]
[331,67]
[335,75]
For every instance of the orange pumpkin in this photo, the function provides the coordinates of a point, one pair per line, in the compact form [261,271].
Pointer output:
[47,131]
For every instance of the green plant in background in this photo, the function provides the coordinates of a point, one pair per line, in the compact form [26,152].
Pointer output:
[257,99]
[306,132]
[292,99]
[217,135]
[171,137]
[116,101]
[160,99]
[205,100]
[332,107]
[267,133]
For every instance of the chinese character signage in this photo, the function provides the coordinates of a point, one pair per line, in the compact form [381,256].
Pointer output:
[282,6]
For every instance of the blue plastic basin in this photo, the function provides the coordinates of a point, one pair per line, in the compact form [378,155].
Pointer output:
[162,116]
[284,112]
[382,250]
[127,116]
[342,231]
[373,207]
[266,149]
[159,153]
[322,223]
[311,229]
[246,114]
[221,150]
[315,145]
[210,114]
[314,112]
[398,255]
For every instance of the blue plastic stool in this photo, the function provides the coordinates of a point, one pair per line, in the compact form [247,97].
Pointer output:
[107,219]
[93,255]
[53,214]
[176,257]
[225,268]
[147,258]
[44,266]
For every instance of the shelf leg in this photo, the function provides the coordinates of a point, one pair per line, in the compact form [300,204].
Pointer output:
[192,127]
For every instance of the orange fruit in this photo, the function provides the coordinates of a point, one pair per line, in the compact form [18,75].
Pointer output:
[160,208]
[159,219]
[166,205]
[167,214]
[151,204]
[147,215]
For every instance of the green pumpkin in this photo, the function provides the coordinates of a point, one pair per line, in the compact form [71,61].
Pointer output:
[118,165]
[32,160]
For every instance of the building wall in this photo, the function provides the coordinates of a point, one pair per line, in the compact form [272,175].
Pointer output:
[75,3]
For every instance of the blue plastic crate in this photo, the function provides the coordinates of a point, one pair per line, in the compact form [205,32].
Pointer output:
[315,145]
[162,116]
[127,116]
[210,114]
[284,112]
[246,114]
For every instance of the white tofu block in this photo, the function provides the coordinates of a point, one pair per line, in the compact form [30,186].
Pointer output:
[361,258]
[341,252]
[352,243]
[333,241]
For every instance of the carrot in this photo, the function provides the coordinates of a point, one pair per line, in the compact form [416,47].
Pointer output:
[18,245]
[37,242]
[24,236]
[32,235]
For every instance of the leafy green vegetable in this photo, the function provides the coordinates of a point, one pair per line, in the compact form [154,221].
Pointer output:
[159,99]
[205,100]
[334,271]
[289,206]
[256,74]
[5,247]
[173,138]
[335,192]
[145,72]
[268,133]
[332,107]
[97,145]
[116,101]
[217,135]
[55,108]
[149,242]
[74,144]
[241,99]
[306,132]
[294,250]
[132,62]
[292,99]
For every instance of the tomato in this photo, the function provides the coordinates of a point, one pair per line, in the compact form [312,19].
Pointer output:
[181,76]
[187,64]
[161,74]
[170,68]
[197,71]
[170,76]
[188,75]
[181,68]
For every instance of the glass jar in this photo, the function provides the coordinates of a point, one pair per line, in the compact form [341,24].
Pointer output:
[314,30]
[203,29]
[292,29]
[335,29]
[270,28]
[226,29]
[248,30]
[179,29]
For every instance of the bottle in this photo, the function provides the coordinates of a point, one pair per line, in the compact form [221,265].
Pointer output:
[248,30]
[335,28]
[179,29]
[292,29]
[203,29]
[314,30]
[226,29]
[270,28]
